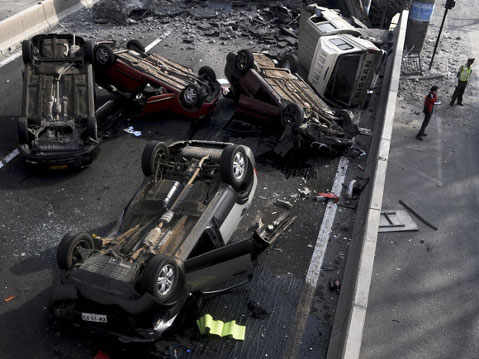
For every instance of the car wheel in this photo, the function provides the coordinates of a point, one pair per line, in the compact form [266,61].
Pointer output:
[164,279]
[27,51]
[289,61]
[74,249]
[244,61]
[235,166]
[207,73]
[22,130]
[135,45]
[292,114]
[191,97]
[103,55]
[152,153]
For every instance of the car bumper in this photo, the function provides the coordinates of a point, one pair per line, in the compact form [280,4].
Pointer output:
[60,159]
[140,320]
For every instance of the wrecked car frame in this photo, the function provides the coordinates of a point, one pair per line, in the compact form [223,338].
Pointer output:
[155,83]
[58,127]
[172,240]
[275,95]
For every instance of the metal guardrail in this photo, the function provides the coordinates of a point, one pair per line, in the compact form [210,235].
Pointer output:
[347,334]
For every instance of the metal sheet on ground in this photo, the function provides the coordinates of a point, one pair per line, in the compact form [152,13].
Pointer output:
[396,221]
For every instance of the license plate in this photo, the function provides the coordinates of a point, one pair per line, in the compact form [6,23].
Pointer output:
[97,318]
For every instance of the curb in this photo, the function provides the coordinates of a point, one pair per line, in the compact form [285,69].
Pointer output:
[36,19]
[347,334]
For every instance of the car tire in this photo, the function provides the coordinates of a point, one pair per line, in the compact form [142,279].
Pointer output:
[191,97]
[292,114]
[135,45]
[103,55]
[163,279]
[22,131]
[289,61]
[151,153]
[244,61]
[67,250]
[207,73]
[235,166]
[27,51]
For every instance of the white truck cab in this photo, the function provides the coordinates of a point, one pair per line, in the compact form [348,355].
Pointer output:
[341,63]
[343,68]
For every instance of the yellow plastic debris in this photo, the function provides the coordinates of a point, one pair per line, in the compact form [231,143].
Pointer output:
[206,324]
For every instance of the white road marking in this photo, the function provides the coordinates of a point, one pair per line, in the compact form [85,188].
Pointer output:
[9,157]
[11,58]
[304,304]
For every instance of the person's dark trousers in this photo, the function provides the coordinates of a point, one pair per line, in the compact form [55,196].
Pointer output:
[458,92]
[427,117]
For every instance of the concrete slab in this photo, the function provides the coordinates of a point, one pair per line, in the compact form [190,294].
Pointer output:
[11,7]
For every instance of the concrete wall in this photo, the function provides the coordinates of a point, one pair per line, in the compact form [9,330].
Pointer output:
[347,333]
[36,19]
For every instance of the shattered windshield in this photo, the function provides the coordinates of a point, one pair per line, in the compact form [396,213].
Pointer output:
[341,84]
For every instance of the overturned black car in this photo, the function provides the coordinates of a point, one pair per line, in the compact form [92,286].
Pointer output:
[58,128]
[172,240]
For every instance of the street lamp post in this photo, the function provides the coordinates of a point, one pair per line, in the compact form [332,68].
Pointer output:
[449,5]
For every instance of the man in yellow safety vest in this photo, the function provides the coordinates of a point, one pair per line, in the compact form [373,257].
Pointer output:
[463,76]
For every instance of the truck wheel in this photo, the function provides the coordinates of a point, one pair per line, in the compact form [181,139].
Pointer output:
[292,114]
[289,61]
[207,73]
[135,45]
[235,166]
[22,130]
[27,51]
[103,55]
[244,61]
[191,97]
[164,279]
[152,153]
[74,249]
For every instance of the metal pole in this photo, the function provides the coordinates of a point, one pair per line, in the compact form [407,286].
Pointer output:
[438,37]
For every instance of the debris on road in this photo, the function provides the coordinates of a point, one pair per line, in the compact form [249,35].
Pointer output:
[256,310]
[335,285]
[304,192]
[267,234]
[322,196]
[132,131]
[396,221]
[207,325]
[415,213]
[283,203]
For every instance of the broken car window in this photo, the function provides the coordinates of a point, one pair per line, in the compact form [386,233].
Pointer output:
[341,44]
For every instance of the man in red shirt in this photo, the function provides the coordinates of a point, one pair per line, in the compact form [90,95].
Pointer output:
[429,101]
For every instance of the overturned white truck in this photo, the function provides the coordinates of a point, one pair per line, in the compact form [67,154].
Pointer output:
[340,59]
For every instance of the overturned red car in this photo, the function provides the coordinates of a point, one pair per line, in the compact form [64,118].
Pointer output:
[155,83]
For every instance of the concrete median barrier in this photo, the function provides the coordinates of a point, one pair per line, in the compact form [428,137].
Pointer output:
[36,19]
[346,337]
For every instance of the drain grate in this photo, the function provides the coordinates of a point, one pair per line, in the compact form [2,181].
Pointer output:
[411,65]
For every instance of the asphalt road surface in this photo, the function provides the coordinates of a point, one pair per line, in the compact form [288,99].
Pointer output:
[38,209]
